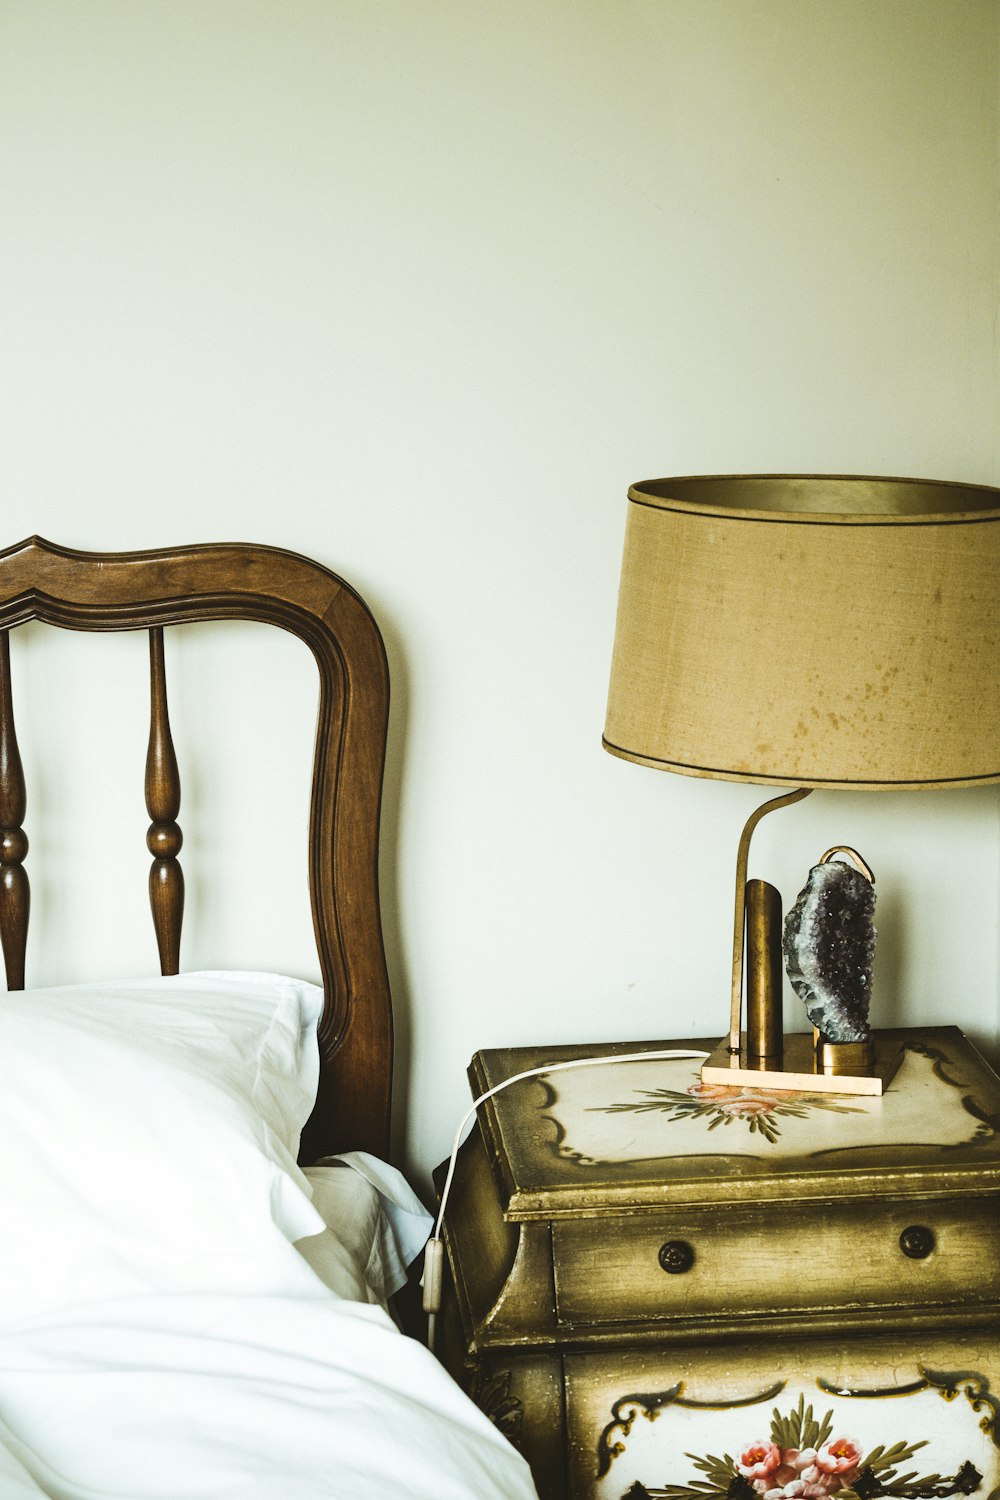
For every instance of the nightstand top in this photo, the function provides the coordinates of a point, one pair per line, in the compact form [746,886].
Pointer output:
[641,1134]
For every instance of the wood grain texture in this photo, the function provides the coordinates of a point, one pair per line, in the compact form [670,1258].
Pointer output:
[226,581]
[15,893]
[163,803]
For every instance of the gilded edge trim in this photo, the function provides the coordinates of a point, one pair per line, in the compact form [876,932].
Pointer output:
[986,1130]
[950,1383]
[988,1124]
[555,1145]
[968,1383]
[912,1389]
[627,1408]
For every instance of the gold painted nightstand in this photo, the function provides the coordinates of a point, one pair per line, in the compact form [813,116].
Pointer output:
[663,1289]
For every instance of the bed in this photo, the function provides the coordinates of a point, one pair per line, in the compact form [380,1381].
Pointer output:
[201,1230]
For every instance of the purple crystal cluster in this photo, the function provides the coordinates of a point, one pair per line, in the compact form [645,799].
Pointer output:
[829,948]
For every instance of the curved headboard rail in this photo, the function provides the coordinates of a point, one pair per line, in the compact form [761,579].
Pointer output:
[113,591]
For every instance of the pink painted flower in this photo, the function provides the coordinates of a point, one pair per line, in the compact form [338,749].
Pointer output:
[748,1104]
[842,1457]
[759,1461]
[710,1091]
[798,1488]
[798,1477]
[796,1460]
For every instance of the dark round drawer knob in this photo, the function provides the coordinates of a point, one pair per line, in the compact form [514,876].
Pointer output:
[676,1256]
[917,1242]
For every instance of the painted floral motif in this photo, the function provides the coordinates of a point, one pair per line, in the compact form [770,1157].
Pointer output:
[776,1472]
[803,1458]
[759,1109]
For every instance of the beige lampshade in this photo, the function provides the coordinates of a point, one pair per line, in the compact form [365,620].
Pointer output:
[804,630]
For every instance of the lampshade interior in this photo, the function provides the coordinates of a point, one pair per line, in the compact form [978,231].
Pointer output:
[803,495]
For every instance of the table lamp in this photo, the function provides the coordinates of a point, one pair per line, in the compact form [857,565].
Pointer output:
[808,631]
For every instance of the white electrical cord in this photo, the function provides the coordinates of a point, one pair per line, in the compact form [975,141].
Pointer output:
[434,1249]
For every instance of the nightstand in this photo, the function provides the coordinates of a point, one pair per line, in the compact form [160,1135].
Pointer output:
[662,1289]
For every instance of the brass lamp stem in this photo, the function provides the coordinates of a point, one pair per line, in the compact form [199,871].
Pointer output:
[742,858]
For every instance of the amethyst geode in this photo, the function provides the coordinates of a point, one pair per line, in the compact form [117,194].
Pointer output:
[829,948]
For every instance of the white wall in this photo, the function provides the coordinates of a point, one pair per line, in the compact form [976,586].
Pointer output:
[418,287]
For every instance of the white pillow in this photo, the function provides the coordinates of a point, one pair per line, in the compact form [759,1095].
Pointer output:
[148,1136]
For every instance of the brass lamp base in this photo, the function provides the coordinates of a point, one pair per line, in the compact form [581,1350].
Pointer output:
[809,1064]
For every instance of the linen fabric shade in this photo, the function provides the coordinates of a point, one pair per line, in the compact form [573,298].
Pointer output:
[807,630]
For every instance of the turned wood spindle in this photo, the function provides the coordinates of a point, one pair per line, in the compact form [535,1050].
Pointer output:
[15,894]
[163,803]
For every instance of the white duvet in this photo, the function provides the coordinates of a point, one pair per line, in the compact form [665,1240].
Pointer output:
[187,1398]
[184,1314]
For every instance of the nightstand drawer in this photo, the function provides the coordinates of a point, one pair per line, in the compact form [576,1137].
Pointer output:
[777,1258]
[646,1423]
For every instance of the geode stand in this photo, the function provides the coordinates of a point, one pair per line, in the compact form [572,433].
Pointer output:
[760,1056]
[809,1065]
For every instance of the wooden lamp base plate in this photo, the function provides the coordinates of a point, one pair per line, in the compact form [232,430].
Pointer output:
[806,1066]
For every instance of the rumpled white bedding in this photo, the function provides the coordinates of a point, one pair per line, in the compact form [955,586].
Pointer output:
[298,1396]
[175,1321]
[376,1227]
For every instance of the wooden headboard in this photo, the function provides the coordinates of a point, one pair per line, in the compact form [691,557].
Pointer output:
[105,591]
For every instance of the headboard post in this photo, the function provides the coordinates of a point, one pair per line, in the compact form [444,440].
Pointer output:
[163,803]
[15,894]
